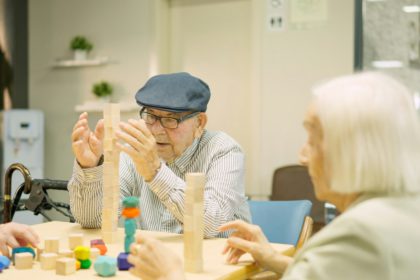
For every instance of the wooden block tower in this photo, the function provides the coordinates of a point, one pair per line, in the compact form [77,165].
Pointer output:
[111,184]
[193,222]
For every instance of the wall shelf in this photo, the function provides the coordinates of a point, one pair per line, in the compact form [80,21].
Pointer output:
[96,106]
[65,63]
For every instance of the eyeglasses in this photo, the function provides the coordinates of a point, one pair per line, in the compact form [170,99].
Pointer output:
[166,122]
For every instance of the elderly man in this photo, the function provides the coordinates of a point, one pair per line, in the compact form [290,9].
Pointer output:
[168,141]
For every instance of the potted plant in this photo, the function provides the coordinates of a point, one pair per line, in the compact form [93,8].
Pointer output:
[102,90]
[81,46]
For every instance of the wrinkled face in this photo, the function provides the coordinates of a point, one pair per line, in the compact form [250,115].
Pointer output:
[312,155]
[172,142]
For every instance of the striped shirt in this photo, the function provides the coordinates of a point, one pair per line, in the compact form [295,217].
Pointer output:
[162,200]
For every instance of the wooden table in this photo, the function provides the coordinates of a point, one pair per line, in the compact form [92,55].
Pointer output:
[214,265]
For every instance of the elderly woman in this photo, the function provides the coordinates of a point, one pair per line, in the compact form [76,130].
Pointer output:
[363,155]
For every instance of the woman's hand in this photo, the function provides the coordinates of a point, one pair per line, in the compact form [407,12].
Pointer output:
[16,235]
[151,259]
[246,238]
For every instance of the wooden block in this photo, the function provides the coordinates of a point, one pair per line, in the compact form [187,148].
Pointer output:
[94,253]
[109,146]
[23,260]
[66,253]
[107,125]
[111,115]
[65,266]
[195,180]
[39,251]
[48,260]
[193,222]
[193,265]
[75,240]
[110,228]
[106,213]
[110,174]
[109,236]
[115,110]
[108,169]
[52,245]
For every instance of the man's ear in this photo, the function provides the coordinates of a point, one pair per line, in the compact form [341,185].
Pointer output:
[201,124]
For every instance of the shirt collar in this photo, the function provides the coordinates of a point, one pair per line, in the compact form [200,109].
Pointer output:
[183,160]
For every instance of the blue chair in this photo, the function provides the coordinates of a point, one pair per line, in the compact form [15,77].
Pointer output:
[285,222]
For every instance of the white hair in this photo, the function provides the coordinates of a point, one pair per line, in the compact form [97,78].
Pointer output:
[371,134]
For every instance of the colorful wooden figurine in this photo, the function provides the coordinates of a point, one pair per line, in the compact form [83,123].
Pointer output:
[130,212]
[105,266]
[18,250]
[4,261]
[100,244]
[82,254]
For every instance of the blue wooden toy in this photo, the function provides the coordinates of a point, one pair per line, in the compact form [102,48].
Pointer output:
[105,266]
[123,264]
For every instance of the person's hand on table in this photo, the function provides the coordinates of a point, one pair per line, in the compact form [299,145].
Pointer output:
[16,235]
[248,238]
[151,259]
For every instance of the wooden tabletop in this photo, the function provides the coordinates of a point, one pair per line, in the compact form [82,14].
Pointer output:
[214,263]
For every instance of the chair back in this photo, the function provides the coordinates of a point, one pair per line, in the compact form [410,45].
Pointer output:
[282,221]
[293,182]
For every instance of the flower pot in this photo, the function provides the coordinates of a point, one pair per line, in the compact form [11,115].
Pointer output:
[80,55]
[104,99]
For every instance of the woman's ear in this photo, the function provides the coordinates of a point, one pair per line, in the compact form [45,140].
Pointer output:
[201,124]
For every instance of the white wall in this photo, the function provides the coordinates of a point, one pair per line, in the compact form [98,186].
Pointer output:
[212,40]
[260,79]
[291,63]
[124,32]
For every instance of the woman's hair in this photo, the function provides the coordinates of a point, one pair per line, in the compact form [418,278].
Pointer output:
[371,134]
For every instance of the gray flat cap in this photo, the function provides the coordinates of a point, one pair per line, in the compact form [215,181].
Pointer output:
[177,92]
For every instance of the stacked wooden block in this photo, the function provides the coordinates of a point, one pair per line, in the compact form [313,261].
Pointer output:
[193,222]
[111,185]
[51,257]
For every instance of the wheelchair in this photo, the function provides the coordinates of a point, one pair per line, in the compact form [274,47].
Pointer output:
[39,201]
